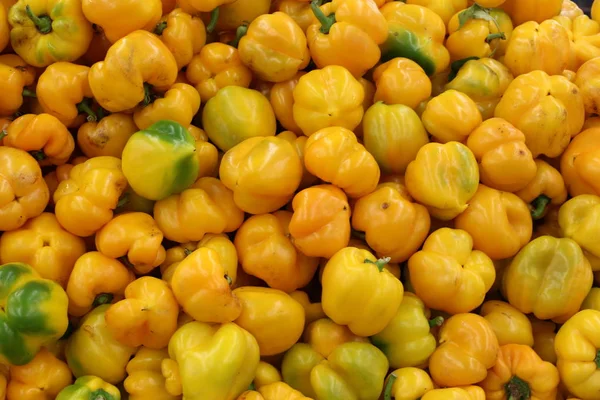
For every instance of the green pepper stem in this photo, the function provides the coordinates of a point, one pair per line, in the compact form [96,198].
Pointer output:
[252,386]
[160,27]
[43,23]
[3,134]
[38,155]
[493,36]
[539,205]
[214,17]
[517,389]
[437,321]
[100,394]
[187,252]
[597,359]
[28,93]
[229,280]
[326,21]
[379,263]
[147,94]
[122,201]
[102,298]
[387,394]
[239,34]
[84,107]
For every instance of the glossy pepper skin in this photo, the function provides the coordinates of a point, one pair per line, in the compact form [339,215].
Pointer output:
[587,82]
[44,135]
[576,219]
[409,384]
[4,28]
[448,275]
[312,311]
[445,9]
[357,271]
[467,348]
[274,391]
[14,82]
[215,362]
[327,97]
[578,163]
[24,192]
[144,377]
[433,178]
[92,350]
[106,137]
[45,246]
[44,32]
[345,27]
[548,133]
[28,327]
[299,143]
[451,116]
[534,10]
[179,104]
[417,33]
[352,371]
[547,188]
[183,34]
[89,387]
[208,155]
[401,81]
[234,14]
[549,277]
[510,325]
[132,61]
[85,202]
[324,336]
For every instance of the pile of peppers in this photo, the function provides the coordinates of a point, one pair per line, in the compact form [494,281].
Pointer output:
[299,200]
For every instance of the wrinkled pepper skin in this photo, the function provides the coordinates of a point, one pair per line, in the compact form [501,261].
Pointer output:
[443,177]
[547,188]
[34,313]
[352,371]
[532,10]
[45,246]
[536,104]
[510,325]
[448,275]
[549,277]
[578,221]
[106,137]
[160,160]
[324,336]
[14,79]
[144,376]
[182,33]
[401,81]
[451,116]
[215,362]
[89,387]
[578,164]
[132,61]
[179,104]
[376,293]
[46,31]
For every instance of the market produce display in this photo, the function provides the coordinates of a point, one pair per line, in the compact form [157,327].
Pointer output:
[299,199]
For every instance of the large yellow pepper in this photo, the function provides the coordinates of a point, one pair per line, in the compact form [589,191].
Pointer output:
[85,202]
[394,225]
[15,75]
[324,336]
[445,9]
[578,163]
[578,351]
[326,97]
[549,110]
[215,362]
[89,387]
[144,377]
[407,384]
[547,188]
[179,104]
[587,82]
[510,325]
[544,333]
[522,11]
[578,221]
[468,348]
[263,173]
[359,292]
[40,379]
[106,137]
[443,177]
[92,350]
[549,277]
[182,33]
[45,245]
[451,116]
[24,193]
[401,81]
[46,31]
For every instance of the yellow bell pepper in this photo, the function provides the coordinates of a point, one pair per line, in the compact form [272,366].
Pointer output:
[468,348]
[578,163]
[61,173]
[89,387]
[40,379]
[96,279]
[577,344]
[401,81]
[4,28]
[299,143]
[44,32]
[393,224]
[443,177]
[549,277]
[208,155]
[547,109]
[585,39]
[312,311]
[448,275]
[144,377]
[263,173]
[266,374]
[456,393]
[276,391]
[16,75]
[445,9]
[547,188]
[531,10]
[232,14]
[215,362]
[179,103]
[300,11]
[273,317]
[570,9]
[328,97]
[106,137]
[592,300]
[281,97]
[183,34]
[510,325]
[44,245]
[544,333]
[359,292]
[407,384]
[85,202]
[451,116]
[324,335]
[92,350]
[24,193]
[587,82]
[334,155]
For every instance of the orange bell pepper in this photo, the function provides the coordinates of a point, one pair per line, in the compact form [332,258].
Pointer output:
[106,137]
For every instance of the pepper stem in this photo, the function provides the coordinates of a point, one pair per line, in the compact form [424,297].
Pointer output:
[84,107]
[517,389]
[148,95]
[597,359]
[252,386]
[101,113]
[387,393]
[379,263]
[437,321]
[28,93]
[539,205]
[38,155]
[122,201]
[187,252]
[43,23]
[493,36]
[3,134]
[326,21]
[239,34]
[228,279]
[160,27]
[100,394]
[214,17]
[102,298]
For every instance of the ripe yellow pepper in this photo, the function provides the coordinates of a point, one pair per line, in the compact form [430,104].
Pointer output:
[106,137]
[312,311]
[443,177]
[401,81]
[531,10]
[547,188]
[61,173]
[324,335]
[281,97]
[183,34]
[119,20]
[394,225]
[510,325]
[44,32]
[592,300]
[92,350]
[42,378]
[549,110]
[456,393]
[468,348]
[263,173]
[570,9]
[179,104]
[274,391]
[299,143]
[334,155]
[89,387]
[577,164]
[4,28]
[576,218]
[24,193]
[326,97]
[407,384]
[451,116]
[587,82]
[208,155]
[550,278]
[577,348]
[215,362]
[15,75]
[544,333]
[144,377]
[44,245]
[85,202]
[48,140]
[445,9]
[265,375]
[359,292]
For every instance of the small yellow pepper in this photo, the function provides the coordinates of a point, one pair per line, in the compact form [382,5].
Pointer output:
[401,81]
[446,9]
[592,300]
[547,188]
[144,377]
[281,97]
[324,335]
[299,143]
[544,333]
[451,116]
[312,311]
[531,10]
[408,384]
[511,325]
[4,28]
[578,163]
[183,34]
[106,137]
[208,155]
[266,374]
[179,103]
[456,393]
[587,82]
[15,75]
[578,219]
